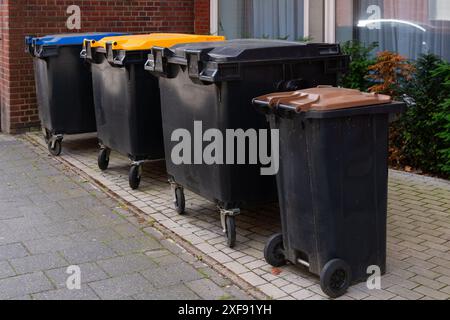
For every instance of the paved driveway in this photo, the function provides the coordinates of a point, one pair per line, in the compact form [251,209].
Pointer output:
[51,219]
[418,261]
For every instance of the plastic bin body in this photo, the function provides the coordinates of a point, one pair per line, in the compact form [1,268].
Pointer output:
[215,84]
[63,83]
[127,98]
[127,108]
[332,186]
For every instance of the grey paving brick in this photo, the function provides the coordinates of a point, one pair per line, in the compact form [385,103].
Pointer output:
[98,221]
[214,276]
[180,292]
[88,253]
[24,284]
[429,292]
[28,222]
[13,250]
[14,236]
[49,244]
[6,270]
[207,289]
[40,262]
[90,272]
[80,203]
[85,293]
[134,245]
[171,275]
[428,282]
[120,287]
[168,260]
[22,298]
[60,228]
[405,293]
[127,230]
[126,264]
[234,292]
[104,234]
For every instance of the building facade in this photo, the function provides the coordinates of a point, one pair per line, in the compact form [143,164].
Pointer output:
[19,18]
[410,27]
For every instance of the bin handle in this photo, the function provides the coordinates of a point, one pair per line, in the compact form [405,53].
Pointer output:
[296,100]
[29,44]
[410,101]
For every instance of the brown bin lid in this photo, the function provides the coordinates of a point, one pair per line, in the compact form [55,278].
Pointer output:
[324,98]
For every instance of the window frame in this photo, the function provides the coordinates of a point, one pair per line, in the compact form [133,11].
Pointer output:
[330,18]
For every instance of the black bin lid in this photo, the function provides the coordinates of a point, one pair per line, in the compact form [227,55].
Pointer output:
[241,50]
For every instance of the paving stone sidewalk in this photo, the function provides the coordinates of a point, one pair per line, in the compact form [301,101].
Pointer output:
[50,219]
[418,261]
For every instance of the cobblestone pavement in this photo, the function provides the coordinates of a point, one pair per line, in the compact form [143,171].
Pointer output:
[418,230]
[50,219]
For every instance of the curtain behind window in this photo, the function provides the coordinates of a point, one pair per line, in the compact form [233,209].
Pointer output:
[274,19]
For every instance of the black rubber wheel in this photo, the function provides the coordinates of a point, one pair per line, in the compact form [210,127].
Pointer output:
[56,149]
[134,177]
[230,223]
[103,159]
[335,278]
[180,201]
[274,251]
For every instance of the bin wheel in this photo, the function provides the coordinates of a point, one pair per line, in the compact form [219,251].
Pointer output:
[103,159]
[274,251]
[335,278]
[134,177]
[230,222]
[55,147]
[180,201]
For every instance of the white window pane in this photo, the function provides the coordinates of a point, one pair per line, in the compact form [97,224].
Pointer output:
[440,10]
[275,19]
[409,27]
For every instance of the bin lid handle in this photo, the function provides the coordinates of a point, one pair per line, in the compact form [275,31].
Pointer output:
[297,99]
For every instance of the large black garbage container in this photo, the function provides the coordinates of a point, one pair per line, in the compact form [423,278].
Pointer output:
[213,85]
[63,85]
[332,182]
[127,98]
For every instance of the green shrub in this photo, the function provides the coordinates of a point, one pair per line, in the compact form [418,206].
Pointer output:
[422,135]
[360,61]
[442,120]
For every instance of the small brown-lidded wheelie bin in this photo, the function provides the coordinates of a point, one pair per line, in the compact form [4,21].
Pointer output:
[332,182]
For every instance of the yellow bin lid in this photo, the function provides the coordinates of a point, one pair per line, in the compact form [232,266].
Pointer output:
[148,41]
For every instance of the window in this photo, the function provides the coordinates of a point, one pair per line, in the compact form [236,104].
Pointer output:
[274,19]
[440,10]
[409,27]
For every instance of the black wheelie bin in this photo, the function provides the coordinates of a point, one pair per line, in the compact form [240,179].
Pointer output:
[332,182]
[212,85]
[63,86]
[127,98]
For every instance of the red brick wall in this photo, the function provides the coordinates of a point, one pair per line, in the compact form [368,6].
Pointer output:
[4,56]
[39,17]
[202,16]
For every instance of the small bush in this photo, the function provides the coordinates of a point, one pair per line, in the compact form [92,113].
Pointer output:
[421,138]
[360,61]
[389,73]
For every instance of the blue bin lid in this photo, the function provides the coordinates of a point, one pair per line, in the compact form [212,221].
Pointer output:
[68,39]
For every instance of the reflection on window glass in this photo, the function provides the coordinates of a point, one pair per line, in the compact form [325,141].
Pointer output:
[410,27]
[274,19]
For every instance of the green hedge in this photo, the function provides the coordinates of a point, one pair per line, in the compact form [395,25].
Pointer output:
[421,137]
